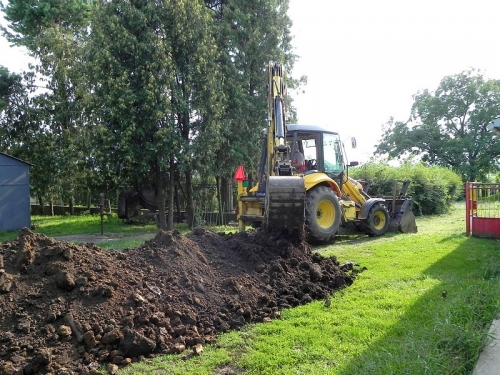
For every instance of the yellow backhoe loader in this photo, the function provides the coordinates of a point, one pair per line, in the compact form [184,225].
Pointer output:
[303,185]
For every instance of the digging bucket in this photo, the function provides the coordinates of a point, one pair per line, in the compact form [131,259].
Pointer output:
[400,207]
[402,218]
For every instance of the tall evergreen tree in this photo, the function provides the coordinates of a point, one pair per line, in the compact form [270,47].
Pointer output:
[250,35]
[155,88]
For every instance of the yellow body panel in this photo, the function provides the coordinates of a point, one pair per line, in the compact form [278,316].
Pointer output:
[353,189]
[252,208]
[348,210]
[313,179]
[310,181]
[350,187]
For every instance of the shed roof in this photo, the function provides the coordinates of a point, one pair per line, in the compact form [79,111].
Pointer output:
[494,127]
[12,157]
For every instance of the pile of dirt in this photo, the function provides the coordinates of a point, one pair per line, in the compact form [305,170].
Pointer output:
[67,308]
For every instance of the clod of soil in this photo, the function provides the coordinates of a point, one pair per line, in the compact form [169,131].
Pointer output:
[70,308]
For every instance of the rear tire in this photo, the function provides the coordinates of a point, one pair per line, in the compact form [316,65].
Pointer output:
[323,214]
[377,222]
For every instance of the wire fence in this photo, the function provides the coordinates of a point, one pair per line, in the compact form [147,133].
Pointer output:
[204,199]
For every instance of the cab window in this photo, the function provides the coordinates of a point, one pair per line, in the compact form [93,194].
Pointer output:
[333,155]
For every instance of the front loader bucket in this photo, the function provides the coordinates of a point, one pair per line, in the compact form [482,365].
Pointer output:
[407,223]
[400,210]
[401,214]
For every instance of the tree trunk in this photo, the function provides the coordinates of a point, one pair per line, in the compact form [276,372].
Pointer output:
[71,206]
[177,203]
[88,201]
[51,203]
[160,198]
[171,193]
[219,200]
[226,195]
[189,200]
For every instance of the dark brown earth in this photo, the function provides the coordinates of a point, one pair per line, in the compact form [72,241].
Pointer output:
[68,309]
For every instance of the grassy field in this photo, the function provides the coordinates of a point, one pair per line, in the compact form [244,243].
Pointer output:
[422,306]
[57,226]
[85,224]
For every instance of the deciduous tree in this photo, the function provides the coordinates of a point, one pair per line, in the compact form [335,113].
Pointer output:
[53,32]
[447,127]
[8,84]
[250,35]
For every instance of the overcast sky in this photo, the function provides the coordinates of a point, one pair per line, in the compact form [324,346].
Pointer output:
[365,59]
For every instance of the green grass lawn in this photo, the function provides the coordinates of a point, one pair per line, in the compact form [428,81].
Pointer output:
[87,224]
[422,306]
[54,226]
[57,226]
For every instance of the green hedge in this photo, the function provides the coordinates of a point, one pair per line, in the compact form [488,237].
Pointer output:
[433,189]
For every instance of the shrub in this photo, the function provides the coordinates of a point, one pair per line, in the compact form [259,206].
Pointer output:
[433,189]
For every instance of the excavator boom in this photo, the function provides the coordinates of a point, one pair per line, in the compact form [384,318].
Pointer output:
[284,192]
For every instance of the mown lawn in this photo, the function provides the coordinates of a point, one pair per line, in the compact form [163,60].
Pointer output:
[67,225]
[423,306]
[79,224]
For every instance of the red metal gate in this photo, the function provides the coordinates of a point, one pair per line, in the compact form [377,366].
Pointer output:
[482,207]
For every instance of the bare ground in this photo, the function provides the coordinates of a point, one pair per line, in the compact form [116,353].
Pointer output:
[67,308]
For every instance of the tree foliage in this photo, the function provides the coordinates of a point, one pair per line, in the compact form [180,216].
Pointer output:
[9,82]
[251,33]
[135,92]
[31,21]
[433,189]
[448,127]
[155,84]
[23,134]
[53,32]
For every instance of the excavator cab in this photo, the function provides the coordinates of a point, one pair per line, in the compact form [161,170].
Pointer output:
[322,150]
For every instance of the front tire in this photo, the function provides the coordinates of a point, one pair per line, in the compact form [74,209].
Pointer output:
[377,222]
[323,214]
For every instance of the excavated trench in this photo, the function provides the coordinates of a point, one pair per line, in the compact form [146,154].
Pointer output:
[69,309]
